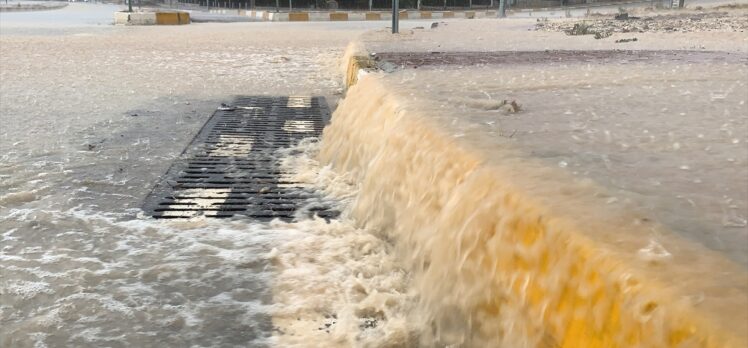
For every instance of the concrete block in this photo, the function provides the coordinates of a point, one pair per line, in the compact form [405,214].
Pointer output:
[425,14]
[319,16]
[356,16]
[279,16]
[135,18]
[373,16]
[298,17]
[167,18]
[338,16]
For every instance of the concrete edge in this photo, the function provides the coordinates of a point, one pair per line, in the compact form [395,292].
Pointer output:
[152,18]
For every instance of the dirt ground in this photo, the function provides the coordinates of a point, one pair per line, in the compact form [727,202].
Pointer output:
[719,19]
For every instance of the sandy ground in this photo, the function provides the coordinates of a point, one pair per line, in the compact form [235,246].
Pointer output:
[721,19]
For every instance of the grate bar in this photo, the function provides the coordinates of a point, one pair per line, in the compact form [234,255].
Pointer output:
[231,167]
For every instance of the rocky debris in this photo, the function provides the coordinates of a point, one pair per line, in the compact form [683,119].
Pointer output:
[328,323]
[226,107]
[512,106]
[624,16]
[368,323]
[627,40]
[579,29]
[602,34]
[623,23]
[509,106]
[93,146]
[586,29]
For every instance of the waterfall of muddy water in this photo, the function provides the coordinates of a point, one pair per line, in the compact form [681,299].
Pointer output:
[610,210]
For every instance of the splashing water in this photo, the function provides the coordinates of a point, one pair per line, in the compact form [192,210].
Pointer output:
[507,250]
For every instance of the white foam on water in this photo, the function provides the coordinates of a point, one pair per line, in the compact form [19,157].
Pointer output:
[482,220]
[206,282]
[24,289]
[337,282]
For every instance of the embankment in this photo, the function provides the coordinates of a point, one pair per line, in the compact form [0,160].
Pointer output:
[505,250]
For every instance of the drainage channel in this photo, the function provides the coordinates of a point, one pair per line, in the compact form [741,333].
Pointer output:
[232,167]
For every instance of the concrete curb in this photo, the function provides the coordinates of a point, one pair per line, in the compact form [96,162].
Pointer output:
[341,16]
[152,18]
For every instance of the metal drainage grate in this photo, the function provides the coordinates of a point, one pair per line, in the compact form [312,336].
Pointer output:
[231,167]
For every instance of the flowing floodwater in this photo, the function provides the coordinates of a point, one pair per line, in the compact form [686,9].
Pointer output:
[527,224]
[444,238]
[669,136]
[84,277]
[91,115]
[569,202]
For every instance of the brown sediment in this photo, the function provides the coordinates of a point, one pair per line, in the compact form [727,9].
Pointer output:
[524,254]
[419,59]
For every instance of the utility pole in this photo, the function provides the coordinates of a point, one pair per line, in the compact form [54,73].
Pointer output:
[371,4]
[129,5]
[277,6]
[502,8]
[395,17]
